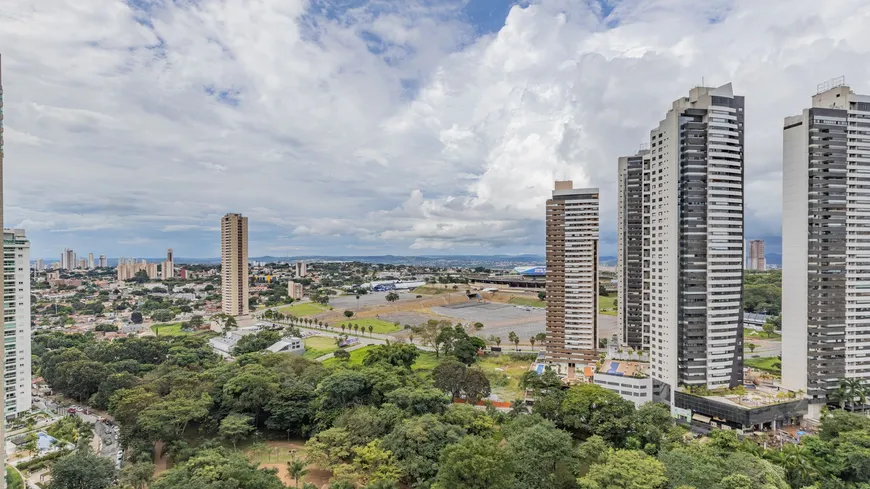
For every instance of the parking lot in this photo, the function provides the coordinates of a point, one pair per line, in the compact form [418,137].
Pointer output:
[498,319]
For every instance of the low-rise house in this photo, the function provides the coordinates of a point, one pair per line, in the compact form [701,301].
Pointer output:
[288,344]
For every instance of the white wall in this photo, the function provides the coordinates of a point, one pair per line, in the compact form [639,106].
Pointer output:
[795,181]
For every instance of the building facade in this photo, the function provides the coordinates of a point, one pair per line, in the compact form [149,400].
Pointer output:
[68,259]
[826,253]
[169,265]
[295,291]
[90,261]
[756,255]
[301,269]
[104,262]
[2,287]
[572,278]
[693,243]
[16,317]
[128,269]
[629,262]
[234,264]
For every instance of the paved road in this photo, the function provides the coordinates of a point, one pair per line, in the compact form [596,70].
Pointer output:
[106,437]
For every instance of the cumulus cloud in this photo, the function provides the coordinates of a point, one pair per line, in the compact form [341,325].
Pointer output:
[388,127]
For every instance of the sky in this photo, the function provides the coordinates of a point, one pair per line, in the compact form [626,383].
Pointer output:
[352,127]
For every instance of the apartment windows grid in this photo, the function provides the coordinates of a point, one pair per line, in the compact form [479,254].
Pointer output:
[692,243]
[826,257]
[572,277]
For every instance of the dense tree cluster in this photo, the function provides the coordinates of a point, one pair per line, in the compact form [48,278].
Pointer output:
[762,292]
[381,424]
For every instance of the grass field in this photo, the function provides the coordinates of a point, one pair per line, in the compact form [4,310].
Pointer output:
[317,346]
[504,373]
[169,329]
[606,306]
[380,326]
[767,364]
[431,290]
[306,309]
[759,335]
[425,362]
[527,301]
[13,479]
[356,357]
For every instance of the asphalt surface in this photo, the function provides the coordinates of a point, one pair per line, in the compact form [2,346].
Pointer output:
[106,437]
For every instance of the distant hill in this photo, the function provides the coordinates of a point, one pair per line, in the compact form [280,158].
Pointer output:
[607,261]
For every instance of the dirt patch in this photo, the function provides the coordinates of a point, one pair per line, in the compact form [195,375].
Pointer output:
[161,462]
[316,476]
[408,303]
[281,452]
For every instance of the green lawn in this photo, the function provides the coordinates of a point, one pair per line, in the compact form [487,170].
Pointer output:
[432,290]
[380,326]
[13,478]
[767,364]
[759,335]
[606,306]
[169,329]
[317,346]
[526,301]
[306,309]
[356,357]
[504,373]
[425,362]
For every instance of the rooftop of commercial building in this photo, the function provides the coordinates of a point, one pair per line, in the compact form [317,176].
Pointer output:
[748,395]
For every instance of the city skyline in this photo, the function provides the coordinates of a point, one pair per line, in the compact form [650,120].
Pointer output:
[462,183]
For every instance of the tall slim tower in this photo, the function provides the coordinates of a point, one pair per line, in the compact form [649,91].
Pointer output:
[234,264]
[756,255]
[572,278]
[826,255]
[693,243]
[169,265]
[16,260]
[104,262]
[90,261]
[629,262]
[2,293]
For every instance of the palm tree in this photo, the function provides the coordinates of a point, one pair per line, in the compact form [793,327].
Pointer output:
[371,328]
[799,463]
[498,341]
[532,341]
[856,391]
[296,469]
[342,328]
[513,338]
[411,338]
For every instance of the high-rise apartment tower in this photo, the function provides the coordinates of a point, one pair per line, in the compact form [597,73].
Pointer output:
[104,262]
[629,261]
[169,265]
[16,266]
[693,243]
[756,255]
[2,293]
[826,253]
[90,261]
[234,264]
[572,278]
